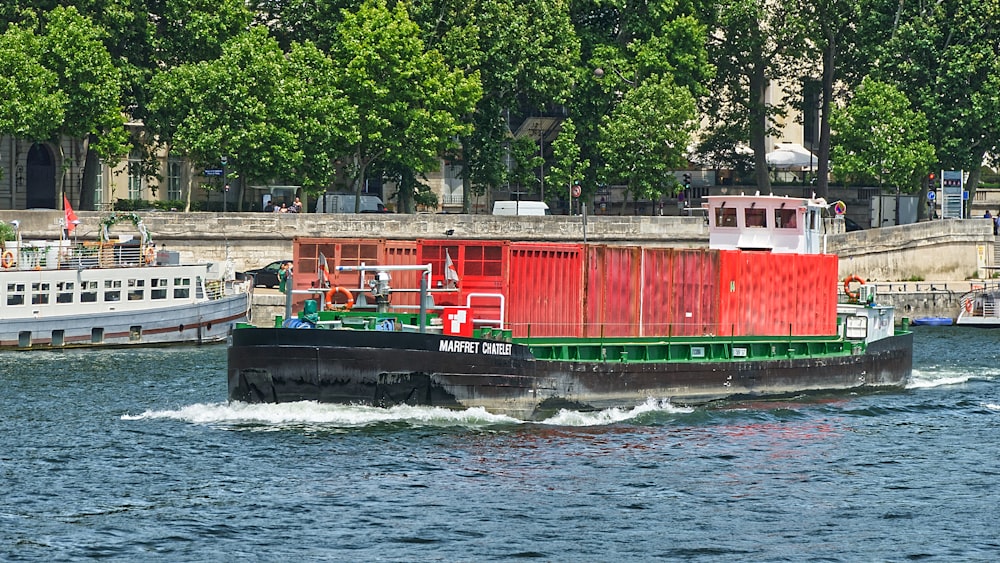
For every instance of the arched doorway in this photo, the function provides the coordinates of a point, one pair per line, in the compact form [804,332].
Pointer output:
[40,185]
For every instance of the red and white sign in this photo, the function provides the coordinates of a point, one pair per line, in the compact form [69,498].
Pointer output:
[457,321]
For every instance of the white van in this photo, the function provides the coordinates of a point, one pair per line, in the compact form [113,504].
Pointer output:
[520,208]
[344,203]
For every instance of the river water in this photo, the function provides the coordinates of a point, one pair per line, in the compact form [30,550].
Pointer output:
[135,455]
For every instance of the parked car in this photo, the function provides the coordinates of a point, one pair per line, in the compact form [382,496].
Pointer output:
[268,275]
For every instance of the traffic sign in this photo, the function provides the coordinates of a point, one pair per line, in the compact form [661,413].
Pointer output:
[213,172]
[576,190]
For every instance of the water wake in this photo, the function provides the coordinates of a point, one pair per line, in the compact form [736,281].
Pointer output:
[285,415]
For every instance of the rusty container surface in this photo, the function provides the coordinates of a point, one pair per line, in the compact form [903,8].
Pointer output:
[545,296]
[613,291]
[680,292]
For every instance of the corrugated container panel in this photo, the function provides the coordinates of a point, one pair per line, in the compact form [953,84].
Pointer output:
[400,253]
[817,297]
[613,291]
[481,266]
[545,296]
[765,294]
[680,292]
[732,308]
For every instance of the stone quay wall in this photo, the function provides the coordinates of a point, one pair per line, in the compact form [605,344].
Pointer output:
[935,251]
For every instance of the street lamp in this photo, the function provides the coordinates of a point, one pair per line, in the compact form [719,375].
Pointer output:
[225,183]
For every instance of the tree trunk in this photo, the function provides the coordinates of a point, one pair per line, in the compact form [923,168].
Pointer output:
[91,169]
[758,126]
[829,73]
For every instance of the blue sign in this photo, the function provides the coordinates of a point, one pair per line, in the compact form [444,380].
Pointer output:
[213,172]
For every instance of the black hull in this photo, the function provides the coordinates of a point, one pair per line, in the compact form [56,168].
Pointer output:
[383,369]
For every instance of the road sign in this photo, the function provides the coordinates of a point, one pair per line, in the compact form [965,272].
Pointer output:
[213,172]
[576,190]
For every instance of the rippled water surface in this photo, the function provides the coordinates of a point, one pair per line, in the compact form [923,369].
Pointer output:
[136,455]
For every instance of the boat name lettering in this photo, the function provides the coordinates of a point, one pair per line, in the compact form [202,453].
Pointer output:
[473,347]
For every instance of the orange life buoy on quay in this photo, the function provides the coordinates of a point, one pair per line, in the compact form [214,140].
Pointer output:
[853,295]
[8,259]
[343,291]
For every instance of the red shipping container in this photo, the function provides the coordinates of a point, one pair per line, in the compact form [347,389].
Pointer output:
[680,292]
[612,291]
[545,296]
[481,266]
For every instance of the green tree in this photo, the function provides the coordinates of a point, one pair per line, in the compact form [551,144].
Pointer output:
[948,61]
[567,166]
[624,44]
[31,105]
[646,138]
[93,114]
[407,100]
[256,106]
[880,136]
[748,47]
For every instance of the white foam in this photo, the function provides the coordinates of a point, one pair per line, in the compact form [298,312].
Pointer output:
[277,416]
[311,412]
[613,415]
[992,406]
[922,380]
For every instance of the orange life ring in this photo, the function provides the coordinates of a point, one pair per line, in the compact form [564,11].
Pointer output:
[150,255]
[8,259]
[847,286]
[343,291]
[968,305]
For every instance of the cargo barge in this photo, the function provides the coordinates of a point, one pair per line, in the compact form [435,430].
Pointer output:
[528,329]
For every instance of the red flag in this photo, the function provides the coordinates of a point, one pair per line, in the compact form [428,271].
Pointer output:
[71,220]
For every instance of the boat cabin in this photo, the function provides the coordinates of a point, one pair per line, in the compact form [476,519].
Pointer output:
[778,224]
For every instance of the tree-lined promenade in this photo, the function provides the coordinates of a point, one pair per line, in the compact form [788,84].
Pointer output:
[326,93]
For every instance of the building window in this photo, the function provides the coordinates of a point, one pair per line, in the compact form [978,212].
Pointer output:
[173,180]
[99,187]
[136,181]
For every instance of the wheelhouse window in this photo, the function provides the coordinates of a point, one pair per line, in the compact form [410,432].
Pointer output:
[725,217]
[755,218]
[784,219]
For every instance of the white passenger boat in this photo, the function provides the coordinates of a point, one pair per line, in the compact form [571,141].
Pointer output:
[121,292]
[981,306]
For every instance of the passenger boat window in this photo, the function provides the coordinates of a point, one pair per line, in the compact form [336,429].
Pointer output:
[158,289]
[15,294]
[784,218]
[64,292]
[40,293]
[135,290]
[88,292]
[182,288]
[112,290]
[756,218]
[725,217]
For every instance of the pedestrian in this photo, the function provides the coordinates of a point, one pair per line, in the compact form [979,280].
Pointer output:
[987,215]
[996,223]
[297,206]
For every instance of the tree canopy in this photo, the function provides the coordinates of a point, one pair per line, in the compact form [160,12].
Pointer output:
[312,92]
